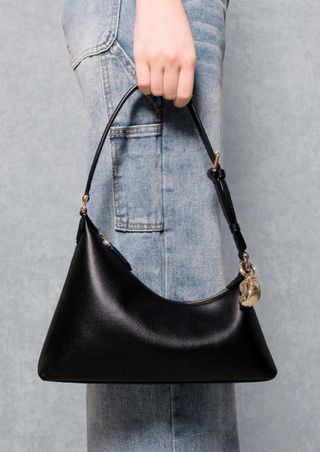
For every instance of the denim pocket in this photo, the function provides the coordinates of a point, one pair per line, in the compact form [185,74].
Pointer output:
[137,184]
[135,141]
[93,33]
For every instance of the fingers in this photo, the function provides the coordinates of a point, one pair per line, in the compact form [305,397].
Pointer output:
[156,79]
[170,82]
[143,76]
[169,79]
[164,50]
[185,86]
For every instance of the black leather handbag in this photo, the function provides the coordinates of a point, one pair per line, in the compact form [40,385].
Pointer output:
[109,327]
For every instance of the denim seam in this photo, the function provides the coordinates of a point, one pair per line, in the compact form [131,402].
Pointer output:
[147,126]
[134,135]
[164,279]
[124,225]
[95,50]
[162,202]
[135,130]
[106,89]
[118,51]
[165,237]
[105,40]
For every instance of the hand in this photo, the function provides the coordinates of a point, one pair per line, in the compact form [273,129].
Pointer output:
[164,50]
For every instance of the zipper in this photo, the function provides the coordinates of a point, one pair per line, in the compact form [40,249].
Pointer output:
[105,241]
[117,253]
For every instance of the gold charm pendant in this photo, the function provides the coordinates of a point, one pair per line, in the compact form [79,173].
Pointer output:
[250,291]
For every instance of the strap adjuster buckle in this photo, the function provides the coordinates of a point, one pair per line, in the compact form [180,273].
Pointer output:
[215,163]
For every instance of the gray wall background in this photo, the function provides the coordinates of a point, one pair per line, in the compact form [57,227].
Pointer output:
[271,109]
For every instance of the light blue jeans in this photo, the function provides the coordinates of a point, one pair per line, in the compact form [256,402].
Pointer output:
[151,196]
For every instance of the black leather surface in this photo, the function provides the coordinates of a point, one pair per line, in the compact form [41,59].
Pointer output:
[109,327]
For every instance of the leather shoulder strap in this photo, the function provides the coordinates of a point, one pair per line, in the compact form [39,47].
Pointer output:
[215,173]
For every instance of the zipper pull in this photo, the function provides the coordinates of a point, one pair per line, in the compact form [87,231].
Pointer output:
[105,241]
[109,245]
